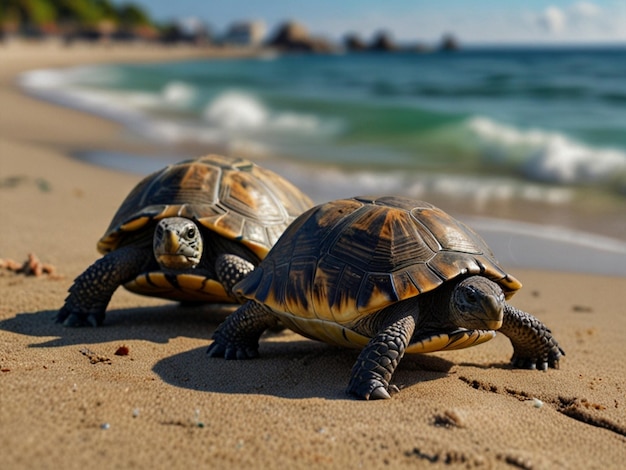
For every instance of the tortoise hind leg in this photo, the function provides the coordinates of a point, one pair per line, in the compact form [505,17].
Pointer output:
[92,290]
[378,360]
[534,347]
[238,337]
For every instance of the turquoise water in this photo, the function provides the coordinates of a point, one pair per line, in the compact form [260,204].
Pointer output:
[556,117]
[488,132]
[542,128]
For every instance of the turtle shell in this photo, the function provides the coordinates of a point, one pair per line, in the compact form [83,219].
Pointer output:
[232,197]
[349,258]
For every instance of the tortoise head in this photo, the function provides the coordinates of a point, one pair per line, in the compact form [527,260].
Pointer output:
[477,303]
[177,243]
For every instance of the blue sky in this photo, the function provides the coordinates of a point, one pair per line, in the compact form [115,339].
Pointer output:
[472,21]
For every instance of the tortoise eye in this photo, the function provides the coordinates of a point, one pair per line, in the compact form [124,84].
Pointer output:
[471,295]
[191,233]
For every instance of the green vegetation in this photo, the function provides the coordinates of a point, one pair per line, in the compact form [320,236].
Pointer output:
[67,15]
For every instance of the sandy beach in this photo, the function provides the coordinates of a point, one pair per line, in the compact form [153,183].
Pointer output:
[67,400]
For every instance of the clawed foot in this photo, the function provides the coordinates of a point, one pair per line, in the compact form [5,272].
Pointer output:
[534,346]
[551,359]
[373,389]
[230,351]
[238,337]
[78,319]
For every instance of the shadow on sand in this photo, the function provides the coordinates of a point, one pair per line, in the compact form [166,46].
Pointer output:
[155,324]
[286,369]
[291,367]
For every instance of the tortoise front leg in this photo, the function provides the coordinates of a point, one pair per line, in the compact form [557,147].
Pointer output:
[92,290]
[238,337]
[378,360]
[231,269]
[534,347]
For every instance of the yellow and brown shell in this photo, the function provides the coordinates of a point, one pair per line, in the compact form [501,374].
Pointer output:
[349,258]
[232,197]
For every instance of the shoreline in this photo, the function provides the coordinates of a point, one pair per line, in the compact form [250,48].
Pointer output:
[518,243]
[19,58]
[165,405]
[531,240]
[545,245]
[472,193]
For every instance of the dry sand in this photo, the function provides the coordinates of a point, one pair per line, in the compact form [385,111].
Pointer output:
[68,401]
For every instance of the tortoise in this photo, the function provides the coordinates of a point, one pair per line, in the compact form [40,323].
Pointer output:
[188,232]
[388,275]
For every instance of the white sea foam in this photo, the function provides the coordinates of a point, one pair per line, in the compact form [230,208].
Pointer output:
[240,111]
[65,87]
[42,79]
[66,78]
[330,182]
[565,161]
[233,119]
[239,119]
[178,94]
[235,111]
[547,156]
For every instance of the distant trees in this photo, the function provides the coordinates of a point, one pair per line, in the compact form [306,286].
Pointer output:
[66,16]
[104,20]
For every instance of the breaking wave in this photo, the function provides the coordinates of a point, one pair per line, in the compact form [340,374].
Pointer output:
[547,156]
[342,131]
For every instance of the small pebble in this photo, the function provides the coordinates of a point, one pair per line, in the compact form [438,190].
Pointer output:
[196,419]
[135,412]
[537,403]
[105,426]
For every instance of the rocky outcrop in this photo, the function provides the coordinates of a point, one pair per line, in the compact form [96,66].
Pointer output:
[382,42]
[354,43]
[294,37]
[449,43]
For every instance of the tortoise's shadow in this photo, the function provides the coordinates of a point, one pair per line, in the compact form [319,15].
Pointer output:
[286,369]
[155,324]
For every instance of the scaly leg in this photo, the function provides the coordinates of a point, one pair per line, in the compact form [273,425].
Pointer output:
[534,347]
[238,337]
[231,269]
[92,290]
[377,362]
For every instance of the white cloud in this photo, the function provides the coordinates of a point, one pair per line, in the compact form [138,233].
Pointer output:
[586,9]
[581,21]
[553,19]
[574,21]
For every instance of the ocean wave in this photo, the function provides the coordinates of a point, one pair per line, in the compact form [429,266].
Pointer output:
[240,111]
[179,94]
[333,129]
[77,88]
[170,113]
[68,77]
[546,156]
[42,79]
[330,182]
[237,121]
